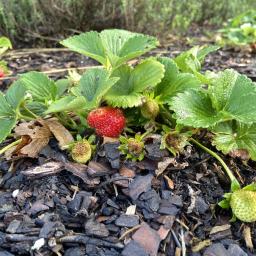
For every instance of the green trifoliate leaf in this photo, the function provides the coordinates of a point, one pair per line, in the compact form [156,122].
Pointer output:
[113,46]
[7,117]
[241,102]
[93,85]
[67,103]
[5,44]
[15,94]
[7,124]
[232,136]
[40,86]
[88,44]
[36,107]
[174,82]
[194,108]
[234,95]
[6,110]
[127,92]
[191,60]
[62,86]
[230,96]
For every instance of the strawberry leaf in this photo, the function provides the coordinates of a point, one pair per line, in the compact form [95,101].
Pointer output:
[40,86]
[240,99]
[194,108]
[62,86]
[174,82]
[127,92]
[191,60]
[15,94]
[7,124]
[88,94]
[5,108]
[88,44]
[113,46]
[93,85]
[231,136]
[5,44]
[67,103]
[36,107]
[230,96]
[7,117]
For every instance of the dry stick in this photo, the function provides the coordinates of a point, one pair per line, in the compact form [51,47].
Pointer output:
[55,71]
[27,51]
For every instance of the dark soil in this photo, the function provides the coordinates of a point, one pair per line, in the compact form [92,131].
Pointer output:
[52,206]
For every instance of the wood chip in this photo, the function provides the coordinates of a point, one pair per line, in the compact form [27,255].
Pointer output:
[248,237]
[221,228]
[169,182]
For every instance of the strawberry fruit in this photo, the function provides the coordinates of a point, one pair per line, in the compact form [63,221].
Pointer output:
[107,121]
[81,151]
[243,205]
[2,74]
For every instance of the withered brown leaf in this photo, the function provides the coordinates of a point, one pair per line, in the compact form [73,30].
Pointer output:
[59,131]
[39,137]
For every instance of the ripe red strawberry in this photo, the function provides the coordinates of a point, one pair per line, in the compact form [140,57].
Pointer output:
[107,121]
[2,74]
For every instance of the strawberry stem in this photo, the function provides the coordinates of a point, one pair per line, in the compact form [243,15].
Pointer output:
[10,146]
[216,156]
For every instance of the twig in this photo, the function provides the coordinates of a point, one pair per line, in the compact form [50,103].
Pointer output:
[129,231]
[55,71]
[112,180]
[27,51]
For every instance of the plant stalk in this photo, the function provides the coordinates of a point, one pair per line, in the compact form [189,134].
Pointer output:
[10,146]
[215,155]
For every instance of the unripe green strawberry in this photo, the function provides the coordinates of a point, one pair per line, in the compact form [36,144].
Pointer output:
[81,151]
[243,205]
[150,109]
[135,147]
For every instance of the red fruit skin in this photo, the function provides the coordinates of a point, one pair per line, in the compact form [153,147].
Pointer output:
[107,121]
[1,73]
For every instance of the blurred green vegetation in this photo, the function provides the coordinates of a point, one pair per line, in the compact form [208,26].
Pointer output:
[27,20]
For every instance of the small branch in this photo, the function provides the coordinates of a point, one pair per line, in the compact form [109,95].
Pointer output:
[10,146]
[54,71]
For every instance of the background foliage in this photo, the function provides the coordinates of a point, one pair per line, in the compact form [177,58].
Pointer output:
[23,20]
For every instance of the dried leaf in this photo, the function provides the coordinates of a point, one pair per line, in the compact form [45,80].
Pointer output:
[59,131]
[243,154]
[162,166]
[39,135]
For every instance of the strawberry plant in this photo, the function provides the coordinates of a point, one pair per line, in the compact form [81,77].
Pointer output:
[240,31]
[5,44]
[170,96]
